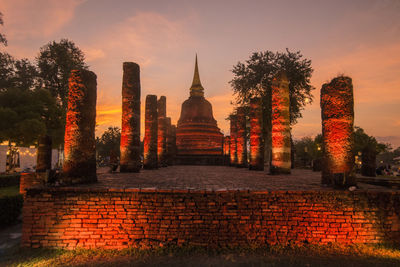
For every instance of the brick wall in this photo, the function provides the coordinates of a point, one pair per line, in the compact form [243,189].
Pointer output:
[117,218]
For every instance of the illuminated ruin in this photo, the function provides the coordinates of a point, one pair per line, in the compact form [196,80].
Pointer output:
[198,138]
[79,140]
[337,113]
[281,147]
[256,161]
[150,135]
[130,132]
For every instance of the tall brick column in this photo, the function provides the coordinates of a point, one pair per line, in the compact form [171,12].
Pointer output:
[256,136]
[150,136]
[337,113]
[79,141]
[168,141]
[227,149]
[241,138]
[162,131]
[281,149]
[233,130]
[130,133]
[173,143]
[43,162]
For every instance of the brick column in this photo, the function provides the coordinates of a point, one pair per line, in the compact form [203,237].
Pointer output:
[337,113]
[227,149]
[43,162]
[79,141]
[233,127]
[168,141]
[130,133]
[162,131]
[241,140]
[281,149]
[150,136]
[256,136]
[173,143]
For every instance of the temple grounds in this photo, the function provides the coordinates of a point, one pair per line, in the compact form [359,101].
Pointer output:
[213,207]
[215,178]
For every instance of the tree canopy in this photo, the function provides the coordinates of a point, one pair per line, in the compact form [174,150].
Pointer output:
[254,78]
[55,62]
[108,142]
[33,98]
[3,39]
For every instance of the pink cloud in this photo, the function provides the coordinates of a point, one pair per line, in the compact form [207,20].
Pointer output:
[36,18]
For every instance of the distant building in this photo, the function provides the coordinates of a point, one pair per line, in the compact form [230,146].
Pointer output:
[198,138]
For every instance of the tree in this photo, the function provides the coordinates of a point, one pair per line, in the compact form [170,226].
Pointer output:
[3,39]
[254,78]
[108,143]
[55,62]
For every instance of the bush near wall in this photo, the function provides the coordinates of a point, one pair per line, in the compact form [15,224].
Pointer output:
[10,205]
[9,179]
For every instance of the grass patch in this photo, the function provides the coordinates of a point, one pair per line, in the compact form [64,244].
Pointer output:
[309,255]
[9,191]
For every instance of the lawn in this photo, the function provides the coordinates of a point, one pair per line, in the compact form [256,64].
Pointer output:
[309,255]
[9,191]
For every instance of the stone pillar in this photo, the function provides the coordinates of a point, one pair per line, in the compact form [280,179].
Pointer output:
[233,155]
[337,112]
[173,143]
[241,140]
[281,148]
[43,162]
[227,149]
[256,136]
[79,140]
[150,136]
[162,131]
[130,133]
[168,141]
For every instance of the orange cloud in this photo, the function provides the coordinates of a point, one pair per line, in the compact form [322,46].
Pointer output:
[39,18]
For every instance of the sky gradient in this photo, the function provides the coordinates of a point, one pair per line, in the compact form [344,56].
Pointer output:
[360,39]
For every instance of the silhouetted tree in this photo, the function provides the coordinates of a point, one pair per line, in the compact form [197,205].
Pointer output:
[3,39]
[55,62]
[108,143]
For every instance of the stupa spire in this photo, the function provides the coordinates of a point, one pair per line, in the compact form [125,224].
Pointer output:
[196,89]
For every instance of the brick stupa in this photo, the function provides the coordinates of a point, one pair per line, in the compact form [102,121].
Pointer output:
[198,138]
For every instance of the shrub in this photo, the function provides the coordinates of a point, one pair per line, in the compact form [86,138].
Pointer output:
[9,179]
[10,208]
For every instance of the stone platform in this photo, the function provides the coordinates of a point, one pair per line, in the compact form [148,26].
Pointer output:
[216,178]
[212,206]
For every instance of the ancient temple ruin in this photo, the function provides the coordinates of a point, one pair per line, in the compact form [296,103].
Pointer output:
[198,138]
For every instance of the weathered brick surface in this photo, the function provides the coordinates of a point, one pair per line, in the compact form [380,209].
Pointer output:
[121,218]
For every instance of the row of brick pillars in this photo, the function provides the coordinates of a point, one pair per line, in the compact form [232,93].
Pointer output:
[337,112]
[280,131]
[79,143]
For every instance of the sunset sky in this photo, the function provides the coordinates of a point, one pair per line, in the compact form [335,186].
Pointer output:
[360,39]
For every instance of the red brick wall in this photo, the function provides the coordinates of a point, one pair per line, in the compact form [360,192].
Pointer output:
[117,218]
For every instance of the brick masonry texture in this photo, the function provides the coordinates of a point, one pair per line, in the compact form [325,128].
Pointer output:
[72,217]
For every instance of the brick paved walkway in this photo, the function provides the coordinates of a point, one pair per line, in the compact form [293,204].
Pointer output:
[215,178]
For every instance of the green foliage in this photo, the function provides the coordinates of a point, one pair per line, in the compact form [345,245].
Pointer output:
[3,39]
[307,150]
[27,114]
[10,207]
[108,143]
[9,180]
[33,99]
[55,62]
[254,78]
[363,141]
